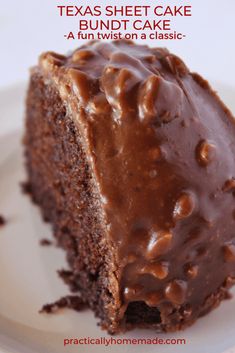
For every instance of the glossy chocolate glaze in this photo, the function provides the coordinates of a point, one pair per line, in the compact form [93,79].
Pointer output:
[161,146]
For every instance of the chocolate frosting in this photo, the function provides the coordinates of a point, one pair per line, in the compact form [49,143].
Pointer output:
[161,146]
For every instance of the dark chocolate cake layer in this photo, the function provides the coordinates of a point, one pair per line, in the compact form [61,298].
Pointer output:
[131,158]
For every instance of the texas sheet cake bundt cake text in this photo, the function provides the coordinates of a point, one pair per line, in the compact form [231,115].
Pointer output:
[131,158]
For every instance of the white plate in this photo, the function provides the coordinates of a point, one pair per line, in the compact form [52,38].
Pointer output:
[28,276]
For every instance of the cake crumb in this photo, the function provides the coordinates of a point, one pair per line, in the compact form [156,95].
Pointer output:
[26,187]
[45,242]
[74,302]
[228,295]
[2,221]
[69,278]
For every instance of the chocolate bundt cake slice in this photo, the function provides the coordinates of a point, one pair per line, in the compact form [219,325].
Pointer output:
[131,158]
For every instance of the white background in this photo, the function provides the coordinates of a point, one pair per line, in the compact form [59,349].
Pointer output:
[28,27]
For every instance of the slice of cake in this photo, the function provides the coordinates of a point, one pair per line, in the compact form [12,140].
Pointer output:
[131,158]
